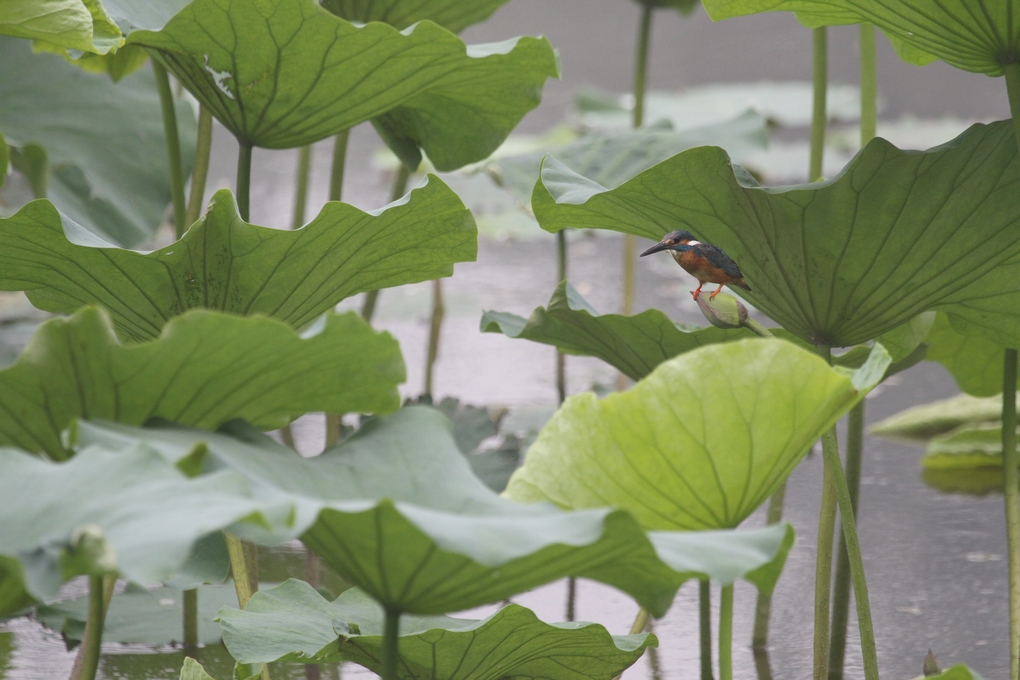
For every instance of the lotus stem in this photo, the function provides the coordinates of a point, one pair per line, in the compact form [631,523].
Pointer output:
[243,180]
[705,634]
[841,594]
[561,358]
[640,83]
[869,83]
[336,189]
[763,610]
[79,661]
[304,169]
[200,173]
[1009,456]
[94,628]
[244,584]
[726,633]
[758,329]
[571,598]
[1012,503]
[820,84]
[391,645]
[173,146]
[823,560]
[399,189]
[435,328]
[190,605]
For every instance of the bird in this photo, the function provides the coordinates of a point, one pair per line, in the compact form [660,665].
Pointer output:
[705,262]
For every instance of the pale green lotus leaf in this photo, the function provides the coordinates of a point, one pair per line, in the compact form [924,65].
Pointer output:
[71,24]
[286,73]
[974,360]
[967,447]
[701,442]
[840,262]
[129,512]
[226,264]
[396,510]
[633,344]
[106,160]
[206,368]
[293,622]
[921,423]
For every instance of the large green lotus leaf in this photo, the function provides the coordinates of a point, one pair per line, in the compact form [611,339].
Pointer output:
[105,145]
[698,444]
[285,73]
[72,24]
[130,512]
[974,35]
[921,423]
[293,622]
[612,158]
[840,262]
[205,369]
[633,344]
[453,15]
[977,481]
[396,510]
[227,264]
[974,360]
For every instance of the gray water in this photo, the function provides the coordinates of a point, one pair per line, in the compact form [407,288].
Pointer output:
[935,563]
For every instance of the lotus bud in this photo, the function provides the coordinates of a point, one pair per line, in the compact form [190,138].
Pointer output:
[725,311]
[91,551]
[931,665]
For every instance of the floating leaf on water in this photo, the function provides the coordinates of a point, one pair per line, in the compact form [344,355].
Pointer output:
[921,423]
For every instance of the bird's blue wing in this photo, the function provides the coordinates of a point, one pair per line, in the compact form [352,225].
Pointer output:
[718,259]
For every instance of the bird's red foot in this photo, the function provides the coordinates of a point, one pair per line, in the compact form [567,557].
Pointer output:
[715,292]
[696,293]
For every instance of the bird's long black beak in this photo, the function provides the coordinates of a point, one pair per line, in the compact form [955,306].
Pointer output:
[656,248]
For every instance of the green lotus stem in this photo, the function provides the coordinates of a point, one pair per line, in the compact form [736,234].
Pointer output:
[758,329]
[79,660]
[726,633]
[1012,503]
[1009,455]
[561,358]
[336,175]
[435,327]
[239,569]
[705,634]
[820,84]
[571,598]
[200,173]
[94,628]
[243,180]
[190,603]
[287,434]
[173,146]
[823,560]
[640,82]
[399,189]
[391,645]
[763,610]
[841,593]
[304,169]
[869,83]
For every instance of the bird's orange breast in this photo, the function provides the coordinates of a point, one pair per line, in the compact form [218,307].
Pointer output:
[700,268]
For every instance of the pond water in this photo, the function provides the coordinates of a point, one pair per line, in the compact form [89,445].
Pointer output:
[936,563]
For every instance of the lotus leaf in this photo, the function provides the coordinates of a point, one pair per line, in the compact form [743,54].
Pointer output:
[205,369]
[227,264]
[106,150]
[975,361]
[286,73]
[635,345]
[967,447]
[701,442]
[120,502]
[72,24]
[453,15]
[920,423]
[293,622]
[612,158]
[837,263]
[975,36]
[396,510]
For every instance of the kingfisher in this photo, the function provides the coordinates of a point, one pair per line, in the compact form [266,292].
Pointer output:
[703,261]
